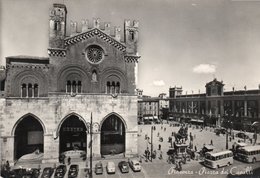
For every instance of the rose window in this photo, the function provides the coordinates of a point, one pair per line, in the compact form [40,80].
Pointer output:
[94,54]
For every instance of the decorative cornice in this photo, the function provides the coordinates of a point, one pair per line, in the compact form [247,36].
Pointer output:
[28,66]
[130,59]
[57,52]
[92,33]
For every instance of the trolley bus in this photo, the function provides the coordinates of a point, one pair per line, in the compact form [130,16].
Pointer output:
[219,159]
[249,153]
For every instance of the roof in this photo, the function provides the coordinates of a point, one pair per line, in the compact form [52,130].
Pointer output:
[251,148]
[27,59]
[219,153]
[216,82]
[209,147]
[241,144]
[93,33]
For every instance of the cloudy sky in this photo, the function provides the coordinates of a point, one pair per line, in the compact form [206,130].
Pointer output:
[182,42]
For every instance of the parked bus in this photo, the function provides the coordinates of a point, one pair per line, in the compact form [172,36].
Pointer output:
[219,159]
[249,153]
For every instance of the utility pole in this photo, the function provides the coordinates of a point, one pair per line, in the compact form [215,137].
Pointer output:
[91,175]
[227,139]
[151,143]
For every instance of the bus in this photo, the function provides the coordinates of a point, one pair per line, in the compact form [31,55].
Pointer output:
[219,159]
[249,154]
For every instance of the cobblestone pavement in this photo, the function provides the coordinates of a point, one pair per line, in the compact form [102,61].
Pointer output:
[160,167]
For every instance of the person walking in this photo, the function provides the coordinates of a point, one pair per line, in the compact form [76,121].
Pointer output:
[69,159]
[159,147]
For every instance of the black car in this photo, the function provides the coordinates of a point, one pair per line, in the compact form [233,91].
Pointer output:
[123,166]
[242,135]
[73,171]
[60,171]
[47,172]
[17,173]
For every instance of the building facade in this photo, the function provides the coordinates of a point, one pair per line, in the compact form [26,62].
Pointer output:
[152,108]
[47,102]
[234,109]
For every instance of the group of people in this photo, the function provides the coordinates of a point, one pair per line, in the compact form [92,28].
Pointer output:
[62,159]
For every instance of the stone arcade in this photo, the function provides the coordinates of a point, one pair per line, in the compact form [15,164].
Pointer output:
[46,102]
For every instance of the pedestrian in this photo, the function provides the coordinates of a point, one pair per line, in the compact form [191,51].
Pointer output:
[211,142]
[159,147]
[195,148]
[148,154]
[69,159]
[7,166]
[158,134]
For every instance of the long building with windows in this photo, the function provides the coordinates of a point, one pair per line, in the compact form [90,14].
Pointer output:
[46,103]
[233,109]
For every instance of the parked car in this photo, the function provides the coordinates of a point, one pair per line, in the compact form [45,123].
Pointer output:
[60,171]
[17,173]
[47,172]
[135,165]
[111,167]
[123,166]
[220,131]
[242,135]
[73,171]
[99,168]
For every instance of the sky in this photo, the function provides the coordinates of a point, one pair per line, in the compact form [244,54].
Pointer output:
[181,42]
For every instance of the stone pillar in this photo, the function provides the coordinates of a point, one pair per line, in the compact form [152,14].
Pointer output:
[7,149]
[96,149]
[131,144]
[51,149]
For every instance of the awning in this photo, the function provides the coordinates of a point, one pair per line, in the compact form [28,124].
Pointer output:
[170,118]
[209,147]
[241,144]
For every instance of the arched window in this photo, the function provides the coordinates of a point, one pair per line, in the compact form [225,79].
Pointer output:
[74,86]
[113,87]
[117,87]
[30,91]
[36,90]
[79,87]
[23,90]
[108,87]
[68,86]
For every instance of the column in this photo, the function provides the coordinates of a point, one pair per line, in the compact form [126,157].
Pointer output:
[245,108]
[233,108]
[32,91]
[192,107]
[21,91]
[51,148]
[26,91]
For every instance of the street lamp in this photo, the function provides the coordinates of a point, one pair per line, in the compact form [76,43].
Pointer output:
[151,144]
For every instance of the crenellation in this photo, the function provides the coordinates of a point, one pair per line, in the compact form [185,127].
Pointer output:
[73,28]
[96,23]
[118,33]
[107,29]
[85,25]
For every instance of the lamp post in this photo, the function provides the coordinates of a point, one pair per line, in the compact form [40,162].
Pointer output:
[151,143]
[91,129]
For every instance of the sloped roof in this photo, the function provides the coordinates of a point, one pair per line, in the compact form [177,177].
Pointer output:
[215,82]
[95,32]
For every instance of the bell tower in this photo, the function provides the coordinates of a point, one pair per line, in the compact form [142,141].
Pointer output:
[57,28]
[131,36]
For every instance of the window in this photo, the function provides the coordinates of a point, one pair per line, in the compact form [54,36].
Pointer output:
[73,86]
[29,90]
[113,87]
